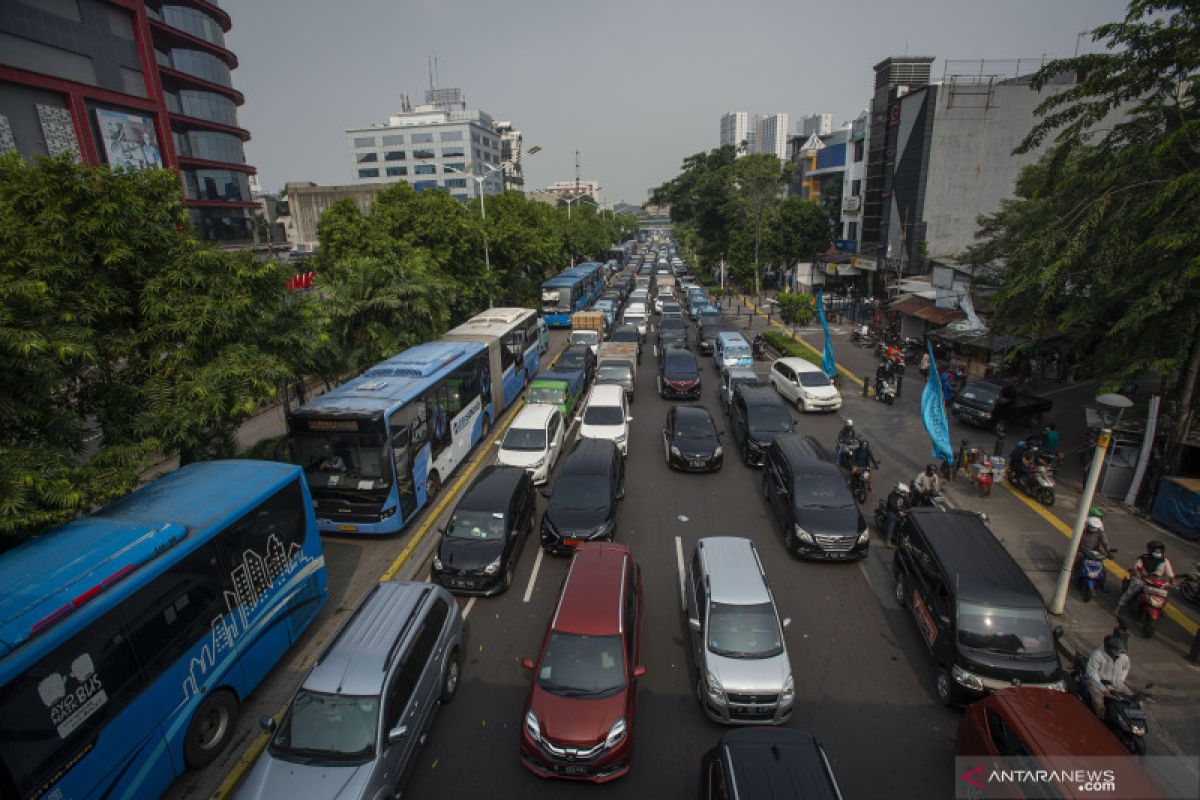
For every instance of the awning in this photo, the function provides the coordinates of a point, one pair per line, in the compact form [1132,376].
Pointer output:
[982,340]
[925,309]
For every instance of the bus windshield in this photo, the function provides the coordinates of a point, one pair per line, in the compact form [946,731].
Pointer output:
[330,459]
[556,300]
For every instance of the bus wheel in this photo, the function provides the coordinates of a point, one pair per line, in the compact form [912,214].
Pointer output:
[210,729]
[432,487]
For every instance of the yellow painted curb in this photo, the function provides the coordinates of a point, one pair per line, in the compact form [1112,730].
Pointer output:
[255,748]
[1176,616]
[776,324]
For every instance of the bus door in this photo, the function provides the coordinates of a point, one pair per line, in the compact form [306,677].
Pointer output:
[406,429]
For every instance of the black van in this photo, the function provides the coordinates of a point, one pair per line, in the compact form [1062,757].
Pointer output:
[483,540]
[756,417]
[809,496]
[767,764]
[977,610]
[583,505]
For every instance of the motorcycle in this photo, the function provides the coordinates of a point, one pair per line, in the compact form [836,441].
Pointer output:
[1123,713]
[863,337]
[1040,485]
[938,501]
[860,483]
[1090,572]
[1189,584]
[898,363]
[1150,602]
[759,348]
[885,391]
[881,519]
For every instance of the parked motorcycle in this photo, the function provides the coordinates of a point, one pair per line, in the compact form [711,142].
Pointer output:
[863,336]
[1189,584]
[1123,712]
[1090,573]
[1039,486]
[1150,602]
[885,391]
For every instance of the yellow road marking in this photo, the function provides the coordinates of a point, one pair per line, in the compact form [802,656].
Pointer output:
[795,337]
[255,748]
[1177,616]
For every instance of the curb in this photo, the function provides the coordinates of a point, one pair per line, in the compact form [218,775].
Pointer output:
[844,370]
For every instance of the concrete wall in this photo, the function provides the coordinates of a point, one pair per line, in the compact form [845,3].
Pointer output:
[307,201]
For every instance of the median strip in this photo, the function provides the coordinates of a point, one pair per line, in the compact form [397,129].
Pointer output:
[796,338]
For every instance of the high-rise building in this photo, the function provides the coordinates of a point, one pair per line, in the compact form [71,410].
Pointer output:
[771,132]
[818,124]
[440,144]
[564,189]
[132,85]
[510,155]
[734,128]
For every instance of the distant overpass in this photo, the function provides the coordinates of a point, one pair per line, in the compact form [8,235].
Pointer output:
[655,224]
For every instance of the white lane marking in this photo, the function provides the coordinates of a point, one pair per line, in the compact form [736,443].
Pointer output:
[467,608]
[537,564]
[679,568]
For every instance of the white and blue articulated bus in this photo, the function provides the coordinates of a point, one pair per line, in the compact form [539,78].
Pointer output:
[514,349]
[377,449]
[569,291]
[130,637]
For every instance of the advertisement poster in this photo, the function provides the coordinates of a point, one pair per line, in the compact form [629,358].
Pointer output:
[129,140]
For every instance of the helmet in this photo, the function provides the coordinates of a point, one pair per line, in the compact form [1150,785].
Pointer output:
[902,487]
[1096,511]
[849,423]
[1155,545]
[1094,524]
[930,469]
[1114,645]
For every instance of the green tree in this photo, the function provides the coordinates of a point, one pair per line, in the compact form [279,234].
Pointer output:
[801,229]
[758,180]
[1102,242]
[701,200]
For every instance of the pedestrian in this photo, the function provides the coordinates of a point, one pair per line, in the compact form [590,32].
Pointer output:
[947,386]
[925,364]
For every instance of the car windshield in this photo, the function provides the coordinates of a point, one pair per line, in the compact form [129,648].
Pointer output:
[998,629]
[545,394]
[329,458]
[822,490]
[614,372]
[525,439]
[582,666]
[603,415]
[813,379]
[476,525]
[580,493]
[693,426]
[750,631]
[327,728]
[680,365]
[769,419]
[625,335]
[736,382]
[572,359]
[737,351]
[584,337]
[982,392]
[672,323]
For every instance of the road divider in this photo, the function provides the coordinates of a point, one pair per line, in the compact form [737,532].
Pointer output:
[846,371]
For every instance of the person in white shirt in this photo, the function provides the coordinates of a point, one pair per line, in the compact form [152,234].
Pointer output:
[928,483]
[1107,669]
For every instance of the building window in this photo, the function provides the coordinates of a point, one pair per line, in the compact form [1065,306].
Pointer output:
[395,172]
[393,139]
[368,173]
[453,152]
[852,231]
[364,141]
[458,196]
[475,138]
[858,150]
[460,166]
[368,158]
[425,169]
[421,138]
[419,154]
[394,155]
[422,185]
[210,146]
[450,136]
[478,156]
[455,183]
[194,22]
[855,188]
[202,65]
[215,184]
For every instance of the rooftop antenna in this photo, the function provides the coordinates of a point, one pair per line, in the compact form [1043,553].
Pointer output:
[576,173]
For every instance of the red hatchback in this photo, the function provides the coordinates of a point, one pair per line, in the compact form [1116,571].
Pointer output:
[579,712]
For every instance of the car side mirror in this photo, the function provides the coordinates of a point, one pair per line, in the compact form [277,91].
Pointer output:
[639,671]
[629,419]
[787,623]
[527,663]
[397,734]
[620,495]
[694,624]
[267,723]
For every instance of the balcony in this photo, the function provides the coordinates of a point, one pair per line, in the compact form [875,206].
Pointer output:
[174,37]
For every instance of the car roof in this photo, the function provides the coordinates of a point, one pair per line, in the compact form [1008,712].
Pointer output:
[492,489]
[801,448]
[1054,723]
[357,660]
[974,559]
[692,412]
[534,416]
[679,354]
[759,395]
[782,763]
[576,348]
[591,600]
[606,394]
[729,336]
[740,372]
[591,457]
[733,570]
[798,364]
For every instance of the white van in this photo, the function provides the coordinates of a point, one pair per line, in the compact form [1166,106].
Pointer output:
[606,416]
[804,384]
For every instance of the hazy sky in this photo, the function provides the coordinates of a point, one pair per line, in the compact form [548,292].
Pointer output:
[635,86]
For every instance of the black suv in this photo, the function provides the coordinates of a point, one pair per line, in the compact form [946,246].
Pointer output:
[583,505]
[809,496]
[757,415]
[481,544]
[710,325]
[678,375]
[976,609]
[767,764]
[672,328]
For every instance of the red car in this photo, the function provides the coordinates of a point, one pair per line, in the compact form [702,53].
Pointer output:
[580,709]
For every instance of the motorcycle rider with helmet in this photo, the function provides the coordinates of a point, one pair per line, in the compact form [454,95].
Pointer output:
[845,441]
[1094,538]
[1107,668]
[898,504]
[1153,562]
[885,371]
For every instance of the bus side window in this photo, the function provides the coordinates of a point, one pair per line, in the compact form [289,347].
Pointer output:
[177,609]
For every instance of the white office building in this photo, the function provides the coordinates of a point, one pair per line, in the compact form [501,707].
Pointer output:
[734,128]
[771,133]
[431,146]
[818,124]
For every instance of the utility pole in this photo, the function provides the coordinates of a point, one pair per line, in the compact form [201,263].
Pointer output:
[1085,504]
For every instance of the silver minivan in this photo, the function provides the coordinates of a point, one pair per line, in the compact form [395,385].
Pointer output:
[745,677]
[360,717]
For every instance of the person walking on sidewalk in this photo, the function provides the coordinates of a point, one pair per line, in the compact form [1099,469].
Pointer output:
[1107,669]
[1153,562]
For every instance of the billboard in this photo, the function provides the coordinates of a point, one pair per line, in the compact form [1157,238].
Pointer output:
[129,140]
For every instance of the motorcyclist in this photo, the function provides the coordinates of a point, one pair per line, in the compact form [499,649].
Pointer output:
[927,484]
[898,503]
[1106,670]
[1094,538]
[759,345]
[1153,562]
[862,457]
[845,440]
[885,371]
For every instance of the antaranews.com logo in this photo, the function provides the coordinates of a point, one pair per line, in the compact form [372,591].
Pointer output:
[1111,778]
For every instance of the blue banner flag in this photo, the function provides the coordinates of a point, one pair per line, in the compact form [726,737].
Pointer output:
[933,413]
[828,363]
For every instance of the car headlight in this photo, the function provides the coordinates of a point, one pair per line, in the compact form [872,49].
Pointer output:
[603,530]
[717,452]
[437,562]
[713,687]
[675,452]
[968,679]
[538,464]
[615,734]
[986,415]
[865,536]
[492,568]
[620,438]
[803,535]
[789,690]
[532,727]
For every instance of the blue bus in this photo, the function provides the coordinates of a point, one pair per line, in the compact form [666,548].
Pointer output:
[377,449]
[128,638]
[571,290]
[514,345]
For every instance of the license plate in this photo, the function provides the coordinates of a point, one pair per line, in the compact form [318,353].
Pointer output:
[573,769]
[697,463]
[348,528]
[571,542]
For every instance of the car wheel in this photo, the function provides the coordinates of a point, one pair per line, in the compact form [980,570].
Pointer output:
[999,428]
[451,677]
[900,592]
[210,729]
[800,404]
[944,687]
[508,576]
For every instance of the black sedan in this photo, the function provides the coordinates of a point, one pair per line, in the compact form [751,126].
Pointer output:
[691,441]
[678,375]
